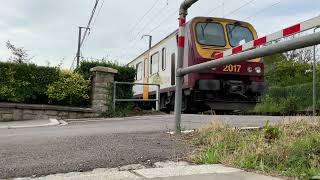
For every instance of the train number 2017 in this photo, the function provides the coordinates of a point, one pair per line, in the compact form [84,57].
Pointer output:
[232,68]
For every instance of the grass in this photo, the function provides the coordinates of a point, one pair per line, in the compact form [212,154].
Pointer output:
[291,148]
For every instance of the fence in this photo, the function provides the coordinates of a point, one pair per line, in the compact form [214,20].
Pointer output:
[115,100]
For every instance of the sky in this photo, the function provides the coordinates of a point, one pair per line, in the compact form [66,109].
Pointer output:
[48,29]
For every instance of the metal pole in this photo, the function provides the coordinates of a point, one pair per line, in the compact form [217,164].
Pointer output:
[183,12]
[150,40]
[114,95]
[79,47]
[314,79]
[297,43]
[158,98]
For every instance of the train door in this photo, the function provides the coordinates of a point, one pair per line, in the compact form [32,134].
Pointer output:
[173,69]
[146,78]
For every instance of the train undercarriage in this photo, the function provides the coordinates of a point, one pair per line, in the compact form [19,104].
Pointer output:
[217,95]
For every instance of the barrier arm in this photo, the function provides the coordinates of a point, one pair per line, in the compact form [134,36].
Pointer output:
[247,51]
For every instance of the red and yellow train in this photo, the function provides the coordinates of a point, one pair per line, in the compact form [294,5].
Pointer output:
[231,87]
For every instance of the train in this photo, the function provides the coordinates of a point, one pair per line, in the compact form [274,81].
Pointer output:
[233,87]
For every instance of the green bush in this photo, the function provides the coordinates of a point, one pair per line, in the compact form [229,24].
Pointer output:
[70,89]
[25,83]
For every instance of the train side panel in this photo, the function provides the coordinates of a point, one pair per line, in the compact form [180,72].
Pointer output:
[156,66]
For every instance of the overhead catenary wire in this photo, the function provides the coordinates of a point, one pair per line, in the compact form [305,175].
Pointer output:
[212,10]
[262,10]
[163,21]
[237,9]
[94,22]
[90,21]
[134,40]
[138,22]
[157,14]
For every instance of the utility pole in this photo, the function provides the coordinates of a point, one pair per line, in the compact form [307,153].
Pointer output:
[150,40]
[79,45]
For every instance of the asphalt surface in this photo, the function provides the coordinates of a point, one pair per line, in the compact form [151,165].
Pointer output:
[105,144]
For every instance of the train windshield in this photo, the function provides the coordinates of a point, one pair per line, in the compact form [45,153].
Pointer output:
[239,35]
[211,34]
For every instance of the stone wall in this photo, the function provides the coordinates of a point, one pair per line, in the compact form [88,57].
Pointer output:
[21,112]
[103,77]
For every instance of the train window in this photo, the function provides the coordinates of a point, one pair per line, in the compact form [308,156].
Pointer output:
[154,67]
[210,33]
[173,69]
[139,70]
[164,59]
[238,34]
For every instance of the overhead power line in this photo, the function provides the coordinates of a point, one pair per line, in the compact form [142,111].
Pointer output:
[212,10]
[138,22]
[90,21]
[163,21]
[148,23]
[95,20]
[262,10]
[94,23]
[237,9]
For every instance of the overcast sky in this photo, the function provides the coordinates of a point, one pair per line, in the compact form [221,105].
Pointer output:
[48,29]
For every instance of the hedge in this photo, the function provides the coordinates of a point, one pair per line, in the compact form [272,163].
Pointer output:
[25,83]
[125,73]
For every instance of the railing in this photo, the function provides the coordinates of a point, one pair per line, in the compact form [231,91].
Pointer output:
[115,100]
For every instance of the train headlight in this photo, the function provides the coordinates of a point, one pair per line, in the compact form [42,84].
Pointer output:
[249,69]
[258,70]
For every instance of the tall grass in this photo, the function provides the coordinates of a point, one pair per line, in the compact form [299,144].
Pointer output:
[291,148]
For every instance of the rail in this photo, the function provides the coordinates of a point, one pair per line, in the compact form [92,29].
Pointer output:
[115,100]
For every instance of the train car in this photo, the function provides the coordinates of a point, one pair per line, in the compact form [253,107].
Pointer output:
[231,87]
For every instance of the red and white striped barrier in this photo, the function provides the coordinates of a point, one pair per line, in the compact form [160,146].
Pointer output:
[181,38]
[304,26]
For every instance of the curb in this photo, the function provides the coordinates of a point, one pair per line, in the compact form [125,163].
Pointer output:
[53,122]
[163,170]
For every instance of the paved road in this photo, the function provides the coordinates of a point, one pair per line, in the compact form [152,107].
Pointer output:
[107,144]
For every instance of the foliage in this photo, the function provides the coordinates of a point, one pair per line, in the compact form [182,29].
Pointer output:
[291,148]
[25,83]
[288,99]
[19,54]
[125,74]
[288,77]
[285,72]
[70,89]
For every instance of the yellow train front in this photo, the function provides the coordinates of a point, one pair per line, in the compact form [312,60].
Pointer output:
[231,87]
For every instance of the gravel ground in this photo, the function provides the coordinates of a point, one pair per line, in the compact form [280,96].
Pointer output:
[43,156]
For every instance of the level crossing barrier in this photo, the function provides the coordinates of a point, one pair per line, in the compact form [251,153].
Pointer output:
[247,51]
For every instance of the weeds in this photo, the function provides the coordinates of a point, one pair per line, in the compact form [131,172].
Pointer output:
[291,148]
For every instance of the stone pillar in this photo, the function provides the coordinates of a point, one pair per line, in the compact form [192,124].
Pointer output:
[103,77]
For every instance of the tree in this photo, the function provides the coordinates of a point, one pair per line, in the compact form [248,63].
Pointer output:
[19,54]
